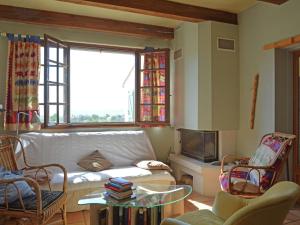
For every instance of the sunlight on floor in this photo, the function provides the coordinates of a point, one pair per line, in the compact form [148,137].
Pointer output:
[199,205]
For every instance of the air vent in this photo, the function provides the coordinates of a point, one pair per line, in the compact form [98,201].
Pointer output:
[178,54]
[226,44]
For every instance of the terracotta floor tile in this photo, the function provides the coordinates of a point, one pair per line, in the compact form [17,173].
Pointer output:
[75,217]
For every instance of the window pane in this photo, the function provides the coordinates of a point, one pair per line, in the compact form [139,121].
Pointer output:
[159,113]
[41,108]
[62,114]
[102,86]
[52,114]
[159,60]
[61,77]
[52,94]
[41,81]
[62,94]
[52,74]
[53,53]
[159,78]
[145,95]
[146,78]
[41,93]
[145,113]
[61,55]
[159,95]
[42,55]
[146,61]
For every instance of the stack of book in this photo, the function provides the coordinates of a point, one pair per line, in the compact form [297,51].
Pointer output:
[119,188]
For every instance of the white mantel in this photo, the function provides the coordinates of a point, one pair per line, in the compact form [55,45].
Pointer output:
[205,175]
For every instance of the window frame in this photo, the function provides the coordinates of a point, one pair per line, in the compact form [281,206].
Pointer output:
[167,89]
[87,46]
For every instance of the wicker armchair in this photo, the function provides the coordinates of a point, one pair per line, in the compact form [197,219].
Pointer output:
[40,208]
[251,177]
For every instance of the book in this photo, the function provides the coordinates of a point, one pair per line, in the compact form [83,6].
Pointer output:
[102,214]
[116,218]
[116,187]
[119,194]
[121,181]
[111,199]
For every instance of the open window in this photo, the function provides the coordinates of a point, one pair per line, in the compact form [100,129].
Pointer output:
[153,101]
[89,85]
[55,82]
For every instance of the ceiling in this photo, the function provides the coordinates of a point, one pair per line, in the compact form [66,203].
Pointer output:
[234,6]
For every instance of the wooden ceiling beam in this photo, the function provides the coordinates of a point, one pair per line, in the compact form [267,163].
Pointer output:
[163,8]
[278,2]
[42,17]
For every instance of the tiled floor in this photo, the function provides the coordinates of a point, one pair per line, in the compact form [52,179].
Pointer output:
[193,202]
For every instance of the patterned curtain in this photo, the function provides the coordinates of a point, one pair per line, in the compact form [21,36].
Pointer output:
[22,82]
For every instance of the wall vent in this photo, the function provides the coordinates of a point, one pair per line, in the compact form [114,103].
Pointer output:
[178,54]
[226,44]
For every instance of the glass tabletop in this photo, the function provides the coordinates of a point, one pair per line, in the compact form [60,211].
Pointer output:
[146,196]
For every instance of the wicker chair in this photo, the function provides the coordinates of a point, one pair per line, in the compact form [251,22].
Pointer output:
[40,208]
[251,177]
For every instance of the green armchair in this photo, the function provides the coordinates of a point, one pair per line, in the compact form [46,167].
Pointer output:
[269,208]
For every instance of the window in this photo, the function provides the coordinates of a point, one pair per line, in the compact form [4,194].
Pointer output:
[106,81]
[93,85]
[153,87]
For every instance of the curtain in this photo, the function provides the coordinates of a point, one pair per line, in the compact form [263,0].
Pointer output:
[23,64]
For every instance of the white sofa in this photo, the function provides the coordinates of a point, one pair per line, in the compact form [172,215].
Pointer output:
[121,148]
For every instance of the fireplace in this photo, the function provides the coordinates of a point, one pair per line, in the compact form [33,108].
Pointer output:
[201,145]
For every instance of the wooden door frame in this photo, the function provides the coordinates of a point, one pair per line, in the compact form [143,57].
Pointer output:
[296,168]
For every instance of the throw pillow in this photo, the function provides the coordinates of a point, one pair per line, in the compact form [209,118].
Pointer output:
[11,190]
[152,165]
[94,162]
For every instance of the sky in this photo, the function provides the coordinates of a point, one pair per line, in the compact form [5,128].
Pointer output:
[97,81]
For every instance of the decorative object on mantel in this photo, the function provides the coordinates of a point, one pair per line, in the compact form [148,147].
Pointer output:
[254,97]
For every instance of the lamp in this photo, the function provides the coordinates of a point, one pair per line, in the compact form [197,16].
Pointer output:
[35,119]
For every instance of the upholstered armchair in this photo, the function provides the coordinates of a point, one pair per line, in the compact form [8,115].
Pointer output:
[42,203]
[270,208]
[250,177]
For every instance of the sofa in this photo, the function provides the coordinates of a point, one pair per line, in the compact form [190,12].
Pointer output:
[121,148]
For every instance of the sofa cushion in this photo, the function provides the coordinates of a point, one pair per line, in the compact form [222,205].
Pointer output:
[81,179]
[94,162]
[152,165]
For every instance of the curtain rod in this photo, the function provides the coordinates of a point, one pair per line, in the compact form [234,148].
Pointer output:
[4,34]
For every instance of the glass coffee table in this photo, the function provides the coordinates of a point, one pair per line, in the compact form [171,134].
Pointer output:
[148,205]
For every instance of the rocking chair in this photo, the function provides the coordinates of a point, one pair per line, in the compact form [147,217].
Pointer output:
[44,204]
[251,177]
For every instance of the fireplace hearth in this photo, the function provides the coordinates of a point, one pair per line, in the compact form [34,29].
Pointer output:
[201,145]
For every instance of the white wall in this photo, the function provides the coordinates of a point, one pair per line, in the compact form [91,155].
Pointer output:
[262,24]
